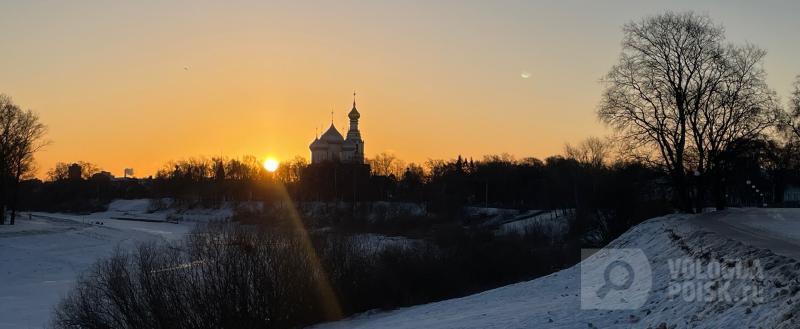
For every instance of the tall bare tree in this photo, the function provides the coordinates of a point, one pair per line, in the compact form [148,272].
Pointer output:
[681,92]
[793,119]
[738,106]
[21,135]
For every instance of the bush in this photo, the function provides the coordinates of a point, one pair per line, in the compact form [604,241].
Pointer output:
[236,276]
[221,278]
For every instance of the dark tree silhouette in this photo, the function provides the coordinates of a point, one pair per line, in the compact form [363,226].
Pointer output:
[21,136]
[386,164]
[60,171]
[593,151]
[741,107]
[680,94]
[793,119]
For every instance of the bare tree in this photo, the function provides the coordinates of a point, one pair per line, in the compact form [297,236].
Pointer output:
[21,136]
[680,91]
[289,171]
[387,164]
[592,151]
[739,106]
[504,158]
[239,170]
[793,118]
[61,170]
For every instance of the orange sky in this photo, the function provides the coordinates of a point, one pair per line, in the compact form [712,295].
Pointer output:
[132,84]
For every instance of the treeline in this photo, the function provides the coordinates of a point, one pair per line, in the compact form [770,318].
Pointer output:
[585,178]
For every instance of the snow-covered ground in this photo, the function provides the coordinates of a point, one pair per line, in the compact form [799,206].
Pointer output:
[775,229]
[374,243]
[141,209]
[549,223]
[764,295]
[41,257]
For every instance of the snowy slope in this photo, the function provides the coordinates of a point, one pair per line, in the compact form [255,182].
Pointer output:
[41,257]
[550,223]
[554,301]
[776,229]
[139,209]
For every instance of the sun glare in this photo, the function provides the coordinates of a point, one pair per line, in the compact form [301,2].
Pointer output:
[271,164]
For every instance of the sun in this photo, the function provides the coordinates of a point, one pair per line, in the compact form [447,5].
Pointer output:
[271,164]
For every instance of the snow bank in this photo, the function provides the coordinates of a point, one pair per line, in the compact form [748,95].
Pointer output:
[550,223]
[554,301]
[142,210]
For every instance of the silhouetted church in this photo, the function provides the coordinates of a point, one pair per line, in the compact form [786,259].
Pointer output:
[338,171]
[332,147]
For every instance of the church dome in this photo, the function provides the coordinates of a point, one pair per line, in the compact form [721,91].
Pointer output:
[354,115]
[317,144]
[332,136]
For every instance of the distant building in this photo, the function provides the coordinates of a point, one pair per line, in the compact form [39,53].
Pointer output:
[74,172]
[338,171]
[103,176]
[332,147]
[791,194]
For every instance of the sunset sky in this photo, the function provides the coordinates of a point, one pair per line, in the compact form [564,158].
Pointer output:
[139,83]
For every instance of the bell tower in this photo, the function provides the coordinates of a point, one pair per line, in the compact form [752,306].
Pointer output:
[354,135]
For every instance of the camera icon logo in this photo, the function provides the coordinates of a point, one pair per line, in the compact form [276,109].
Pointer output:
[615,279]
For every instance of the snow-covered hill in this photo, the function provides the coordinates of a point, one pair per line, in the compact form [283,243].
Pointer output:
[142,209]
[41,256]
[762,295]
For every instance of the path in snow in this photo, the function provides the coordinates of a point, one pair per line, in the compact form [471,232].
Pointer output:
[776,229]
